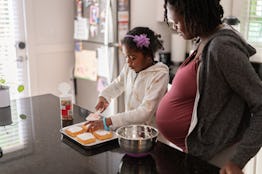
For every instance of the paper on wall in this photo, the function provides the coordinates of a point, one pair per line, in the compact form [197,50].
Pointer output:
[123,28]
[81,29]
[101,84]
[103,62]
[86,65]
[123,16]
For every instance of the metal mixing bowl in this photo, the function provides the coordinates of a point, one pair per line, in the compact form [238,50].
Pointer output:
[137,139]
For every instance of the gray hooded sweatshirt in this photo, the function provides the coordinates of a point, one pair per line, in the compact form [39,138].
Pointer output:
[229,109]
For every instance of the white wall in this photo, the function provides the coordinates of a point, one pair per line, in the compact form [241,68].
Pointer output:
[50,37]
[150,17]
[50,43]
[153,14]
[227,6]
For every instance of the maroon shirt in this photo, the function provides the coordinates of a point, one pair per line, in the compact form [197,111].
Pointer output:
[174,112]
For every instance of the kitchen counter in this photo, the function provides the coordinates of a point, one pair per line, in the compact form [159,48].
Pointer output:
[35,145]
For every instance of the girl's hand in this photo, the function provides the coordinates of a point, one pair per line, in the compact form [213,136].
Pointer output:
[102,104]
[92,126]
[230,168]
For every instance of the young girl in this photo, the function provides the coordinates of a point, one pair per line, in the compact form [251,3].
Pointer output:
[142,80]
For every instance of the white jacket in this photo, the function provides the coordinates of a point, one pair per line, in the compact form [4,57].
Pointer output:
[143,92]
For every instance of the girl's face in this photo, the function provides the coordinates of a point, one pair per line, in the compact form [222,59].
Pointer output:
[136,60]
[178,22]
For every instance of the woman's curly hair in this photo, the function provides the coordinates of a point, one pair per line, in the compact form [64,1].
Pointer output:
[200,16]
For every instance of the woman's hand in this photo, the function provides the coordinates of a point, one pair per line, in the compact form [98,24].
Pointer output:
[230,168]
[102,104]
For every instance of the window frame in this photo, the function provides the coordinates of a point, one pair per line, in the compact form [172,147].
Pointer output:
[254,19]
[241,9]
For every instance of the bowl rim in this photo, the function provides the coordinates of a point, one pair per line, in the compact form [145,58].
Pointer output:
[120,136]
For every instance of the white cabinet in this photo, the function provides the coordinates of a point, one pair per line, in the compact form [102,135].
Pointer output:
[159,10]
[227,7]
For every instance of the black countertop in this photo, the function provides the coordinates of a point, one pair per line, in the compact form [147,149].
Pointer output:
[35,145]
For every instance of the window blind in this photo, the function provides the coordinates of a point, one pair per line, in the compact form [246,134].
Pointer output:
[251,28]
[254,31]
[15,138]
[12,137]
[9,32]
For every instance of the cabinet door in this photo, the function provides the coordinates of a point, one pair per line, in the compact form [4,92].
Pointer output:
[159,10]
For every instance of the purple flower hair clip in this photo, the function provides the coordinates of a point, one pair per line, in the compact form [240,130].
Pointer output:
[140,40]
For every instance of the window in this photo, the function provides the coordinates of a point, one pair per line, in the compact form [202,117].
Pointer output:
[254,29]
[10,31]
[251,27]
[12,137]
[15,139]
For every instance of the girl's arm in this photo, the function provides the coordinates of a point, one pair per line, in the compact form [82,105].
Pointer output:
[116,87]
[146,110]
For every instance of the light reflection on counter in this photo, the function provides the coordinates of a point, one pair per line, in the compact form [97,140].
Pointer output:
[16,138]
